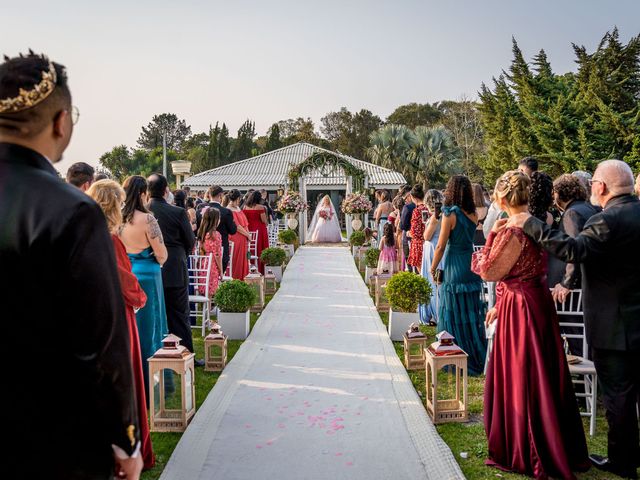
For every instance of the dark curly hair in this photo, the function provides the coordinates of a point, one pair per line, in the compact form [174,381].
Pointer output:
[569,187]
[460,193]
[541,196]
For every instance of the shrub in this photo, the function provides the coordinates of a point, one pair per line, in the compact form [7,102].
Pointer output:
[371,257]
[273,256]
[288,237]
[356,239]
[235,296]
[405,290]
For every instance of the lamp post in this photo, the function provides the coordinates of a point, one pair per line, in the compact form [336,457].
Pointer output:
[164,153]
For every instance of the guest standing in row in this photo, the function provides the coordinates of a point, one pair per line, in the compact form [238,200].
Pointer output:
[55,248]
[388,259]
[416,233]
[481,210]
[381,214]
[147,252]
[226,226]
[541,198]
[179,240]
[241,238]
[433,200]
[531,416]
[110,196]
[210,243]
[405,224]
[257,218]
[610,280]
[80,175]
[462,310]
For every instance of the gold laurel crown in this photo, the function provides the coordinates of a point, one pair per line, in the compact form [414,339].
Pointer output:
[30,98]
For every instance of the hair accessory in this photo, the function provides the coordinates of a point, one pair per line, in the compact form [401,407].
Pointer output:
[30,98]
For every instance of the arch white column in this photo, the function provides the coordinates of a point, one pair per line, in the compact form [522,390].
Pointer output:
[347,218]
[302,216]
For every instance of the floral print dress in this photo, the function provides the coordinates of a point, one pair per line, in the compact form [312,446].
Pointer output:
[213,244]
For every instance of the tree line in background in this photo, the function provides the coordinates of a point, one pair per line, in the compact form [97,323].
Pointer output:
[569,121]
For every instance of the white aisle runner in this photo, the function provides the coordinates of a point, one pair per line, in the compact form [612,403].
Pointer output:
[316,392]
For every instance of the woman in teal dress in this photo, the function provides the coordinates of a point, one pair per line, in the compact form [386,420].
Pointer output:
[141,236]
[462,310]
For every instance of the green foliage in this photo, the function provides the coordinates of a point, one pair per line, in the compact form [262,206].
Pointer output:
[273,256]
[415,114]
[288,236]
[299,130]
[122,162]
[244,145]
[371,257]
[426,154]
[273,140]
[406,290]
[568,121]
[177,131]
[235,296]
[327,163]
[357,238]
[349,133]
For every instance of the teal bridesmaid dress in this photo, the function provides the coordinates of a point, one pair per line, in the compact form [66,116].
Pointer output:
[152,319]
[462,310]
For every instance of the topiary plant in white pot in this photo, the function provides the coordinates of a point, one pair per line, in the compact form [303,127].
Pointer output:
[405,291]
[234,299]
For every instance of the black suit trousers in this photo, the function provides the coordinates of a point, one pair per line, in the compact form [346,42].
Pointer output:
[176,300]
[619,380]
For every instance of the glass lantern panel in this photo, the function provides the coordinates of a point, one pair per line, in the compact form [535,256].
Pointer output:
[187,395]
[157,394]
[172,395]
[215,351]
[447,383]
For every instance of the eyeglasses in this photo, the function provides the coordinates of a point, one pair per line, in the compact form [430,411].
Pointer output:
[592,181]
[75,114]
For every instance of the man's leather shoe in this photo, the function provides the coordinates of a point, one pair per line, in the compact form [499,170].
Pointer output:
[199,363]
[603,463]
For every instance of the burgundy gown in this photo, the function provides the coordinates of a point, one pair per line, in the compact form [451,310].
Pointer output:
[134,297]
[256,225]
[531,415]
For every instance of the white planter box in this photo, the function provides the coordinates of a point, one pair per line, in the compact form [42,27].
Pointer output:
[277,271]
[354,250]
[368,271]
[399,322]
[234,325]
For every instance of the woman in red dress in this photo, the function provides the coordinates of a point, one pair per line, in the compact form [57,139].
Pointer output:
[110,197]
[417,228]
[241,238]
[531,415]
[257,217]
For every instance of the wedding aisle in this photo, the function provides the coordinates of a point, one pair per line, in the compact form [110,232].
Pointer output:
[316,391]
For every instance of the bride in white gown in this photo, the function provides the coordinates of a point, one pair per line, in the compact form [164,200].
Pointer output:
[324,227]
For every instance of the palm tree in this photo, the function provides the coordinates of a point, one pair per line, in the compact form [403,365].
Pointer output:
[390,146]
[434,155]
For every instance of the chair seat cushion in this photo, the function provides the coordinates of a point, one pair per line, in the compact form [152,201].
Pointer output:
[198,298]
[585,367]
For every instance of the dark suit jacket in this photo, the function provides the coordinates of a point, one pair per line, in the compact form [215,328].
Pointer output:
[226,227]
[573,219]
[607,249]
[63,312]
[179,239]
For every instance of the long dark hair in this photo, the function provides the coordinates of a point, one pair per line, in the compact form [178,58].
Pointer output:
[134,187]
[209,223]
[179,197]
[254,199]
[388,233]
[541,196]
[460,193]
[234,195]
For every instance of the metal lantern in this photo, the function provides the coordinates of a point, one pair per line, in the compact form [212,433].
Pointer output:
[256,281]
[438,355]
[381,300]
[270,282]
[171,409]
[414,344]
[215,350]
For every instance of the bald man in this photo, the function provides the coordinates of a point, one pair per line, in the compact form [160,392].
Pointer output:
[638,185]
[607,251]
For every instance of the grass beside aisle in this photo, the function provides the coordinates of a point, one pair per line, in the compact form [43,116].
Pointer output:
[165,442]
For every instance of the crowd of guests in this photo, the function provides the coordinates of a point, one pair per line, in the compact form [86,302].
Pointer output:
[535,239]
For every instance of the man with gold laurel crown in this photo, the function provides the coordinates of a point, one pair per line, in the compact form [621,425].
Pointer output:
[70,405]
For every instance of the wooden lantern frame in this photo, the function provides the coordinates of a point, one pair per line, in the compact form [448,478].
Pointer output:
[414,362]
[381,300]
[215,363]
[256,281]
[446,410]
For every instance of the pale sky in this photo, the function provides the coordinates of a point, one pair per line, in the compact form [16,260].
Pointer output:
[230,60]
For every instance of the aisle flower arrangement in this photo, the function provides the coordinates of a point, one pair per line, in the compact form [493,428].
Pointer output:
[292,202]
[356,203]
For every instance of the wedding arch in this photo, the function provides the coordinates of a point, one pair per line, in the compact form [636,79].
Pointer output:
[326,164]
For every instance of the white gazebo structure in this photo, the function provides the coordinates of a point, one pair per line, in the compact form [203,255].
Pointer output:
[302,167]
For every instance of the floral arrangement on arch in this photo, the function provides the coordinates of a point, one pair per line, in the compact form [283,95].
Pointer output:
[356,203]
[292,202]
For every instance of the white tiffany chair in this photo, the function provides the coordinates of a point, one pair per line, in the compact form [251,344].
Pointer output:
[199,271]
[585,371]
[273,234]
[253,249]
[228,273]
